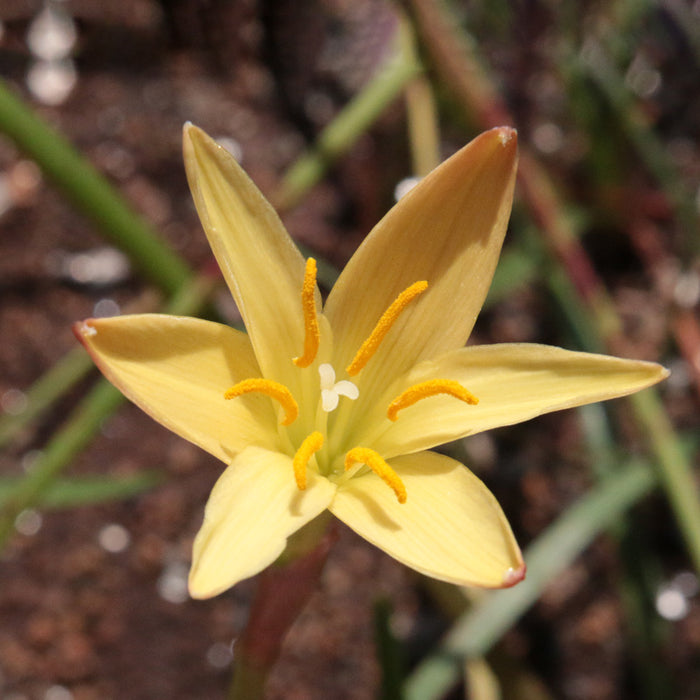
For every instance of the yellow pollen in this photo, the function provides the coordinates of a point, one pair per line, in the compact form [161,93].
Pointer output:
[274,390]
[423,390]
[312,443]
[369,347]
[364,455]
[312,335]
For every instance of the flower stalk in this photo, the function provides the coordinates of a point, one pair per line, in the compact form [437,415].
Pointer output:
[283,590]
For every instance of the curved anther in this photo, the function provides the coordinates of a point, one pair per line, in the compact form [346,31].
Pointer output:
[312,334]
[376,463]
[312,443]
[369,347]
[274,390]
[423,390]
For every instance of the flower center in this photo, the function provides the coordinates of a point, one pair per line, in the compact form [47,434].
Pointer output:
[331,391]
[359,459]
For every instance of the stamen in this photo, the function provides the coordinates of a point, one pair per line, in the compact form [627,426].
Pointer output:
[274,390]
[369,347]
[312,335]
[433,387]
[312,443]
[375,462]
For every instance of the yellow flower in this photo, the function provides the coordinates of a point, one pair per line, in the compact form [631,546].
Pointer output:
[335,407]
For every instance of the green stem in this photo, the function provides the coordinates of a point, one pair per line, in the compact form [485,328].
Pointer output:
[100,403]
[675,472]
[388,654]
[91,193]
[422,126]
[476,632]
[348,125]
[80,428]
[72,367]
[421,113]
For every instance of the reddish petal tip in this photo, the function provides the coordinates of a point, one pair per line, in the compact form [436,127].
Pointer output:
[514,576]
[83,329]
[507,134]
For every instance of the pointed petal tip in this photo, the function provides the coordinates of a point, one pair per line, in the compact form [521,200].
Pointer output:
[83,329]
[188,128]
[506,134]
[192,133]
[195,138]
[514,576]
[198,592]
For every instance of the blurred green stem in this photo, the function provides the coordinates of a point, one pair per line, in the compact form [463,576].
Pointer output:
[388,652]
[65,444]
[349,124]
[475,632]
[422,126]
[639,574]
[676,474]
[59,378]
[80,428]
[90,192]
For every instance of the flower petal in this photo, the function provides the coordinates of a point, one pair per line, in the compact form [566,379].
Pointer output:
[252,510]
[513,382]
[448,231]
[177,370]
[450,527]
[262,266]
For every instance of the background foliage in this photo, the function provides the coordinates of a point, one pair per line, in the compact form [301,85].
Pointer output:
[330,105]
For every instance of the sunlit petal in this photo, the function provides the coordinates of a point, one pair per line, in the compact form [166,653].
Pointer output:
[177,370]
[261,264]
[447,231]
[252,510]
[513,382]
[450,527]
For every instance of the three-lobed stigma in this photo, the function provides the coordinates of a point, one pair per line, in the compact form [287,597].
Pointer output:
[331,390]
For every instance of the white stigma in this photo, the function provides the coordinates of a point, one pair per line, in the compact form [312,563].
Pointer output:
[87,330]
[331,391]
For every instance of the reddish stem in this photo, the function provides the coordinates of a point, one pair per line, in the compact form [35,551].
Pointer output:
[282,593]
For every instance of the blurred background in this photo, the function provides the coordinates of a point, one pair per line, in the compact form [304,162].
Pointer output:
[334,107]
